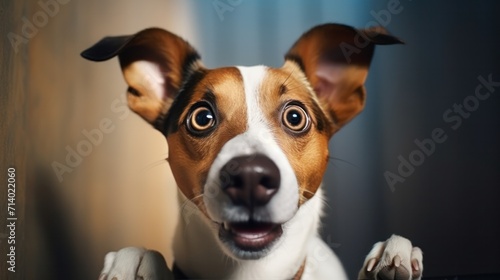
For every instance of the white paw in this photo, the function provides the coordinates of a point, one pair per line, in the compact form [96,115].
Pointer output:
[394,259]
[134,263]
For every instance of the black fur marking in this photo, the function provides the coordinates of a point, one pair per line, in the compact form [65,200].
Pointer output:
[319,116]
[181,101]
[188,63]
[297,59]
[210,97]
[106,48]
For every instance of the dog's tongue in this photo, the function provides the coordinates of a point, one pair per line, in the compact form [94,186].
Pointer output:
[254,236]
[251,230]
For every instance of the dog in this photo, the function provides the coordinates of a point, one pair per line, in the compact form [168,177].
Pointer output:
[248,147]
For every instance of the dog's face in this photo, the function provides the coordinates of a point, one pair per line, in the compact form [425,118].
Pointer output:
[247,145]
[253,141]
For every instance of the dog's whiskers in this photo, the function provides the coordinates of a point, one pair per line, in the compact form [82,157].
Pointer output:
[283,85]
[193,200]
[155,163]
[343,161]
[302,197]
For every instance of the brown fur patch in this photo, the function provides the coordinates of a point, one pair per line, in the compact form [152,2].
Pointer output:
[307,152]
[190,157]
[176,60]
[337,77]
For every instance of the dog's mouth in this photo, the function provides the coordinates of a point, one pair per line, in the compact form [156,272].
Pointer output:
[250,236]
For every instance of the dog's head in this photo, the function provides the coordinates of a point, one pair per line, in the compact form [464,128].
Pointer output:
[247,145]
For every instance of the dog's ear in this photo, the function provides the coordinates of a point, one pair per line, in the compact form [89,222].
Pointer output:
[154,63]
[335,59]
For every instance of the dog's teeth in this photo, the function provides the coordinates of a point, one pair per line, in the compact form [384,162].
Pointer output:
[226,225]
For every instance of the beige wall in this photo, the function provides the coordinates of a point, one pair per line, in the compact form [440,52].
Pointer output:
[122,193]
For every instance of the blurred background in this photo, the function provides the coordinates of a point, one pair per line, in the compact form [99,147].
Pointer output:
[121,192]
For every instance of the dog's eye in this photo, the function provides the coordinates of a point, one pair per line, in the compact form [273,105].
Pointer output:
[201,119]
[295,118]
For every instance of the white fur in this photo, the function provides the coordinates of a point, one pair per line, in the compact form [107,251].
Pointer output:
[299,237]
[197,248]
[258,139]
[384,254]
[198,252]
[132,263]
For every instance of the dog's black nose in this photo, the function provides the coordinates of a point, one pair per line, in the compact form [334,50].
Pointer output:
[250,180]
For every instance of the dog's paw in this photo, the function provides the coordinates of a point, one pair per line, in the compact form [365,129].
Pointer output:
[135,264]
[394,259]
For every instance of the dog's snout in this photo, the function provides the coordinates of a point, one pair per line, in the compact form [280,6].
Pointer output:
[250,180]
